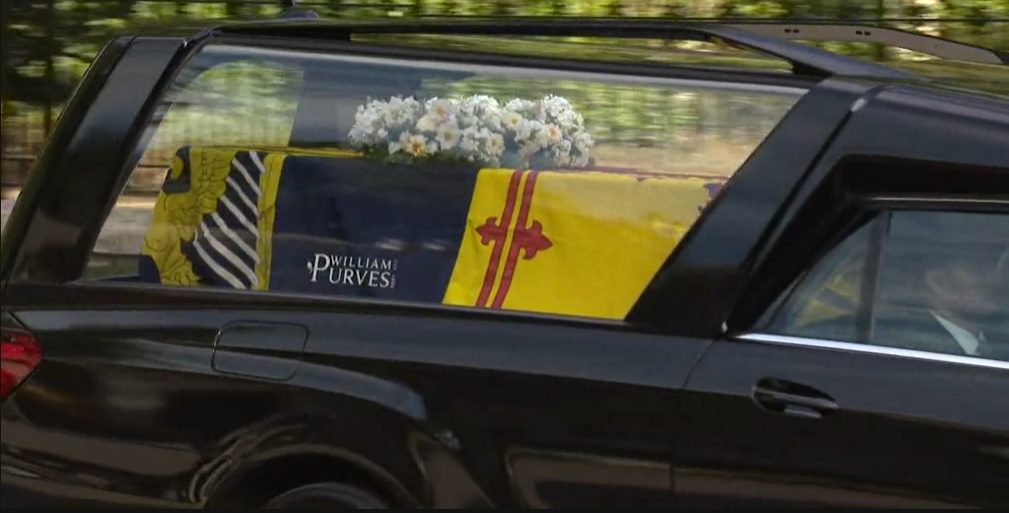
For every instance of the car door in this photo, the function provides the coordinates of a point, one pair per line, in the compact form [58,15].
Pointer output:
[876,380]
[153,391]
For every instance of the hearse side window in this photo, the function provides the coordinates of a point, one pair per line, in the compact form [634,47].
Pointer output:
[506,188]
[943,287]
[244,103]
[826,302]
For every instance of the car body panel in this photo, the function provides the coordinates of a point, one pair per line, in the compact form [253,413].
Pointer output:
[907,433]
[153,376]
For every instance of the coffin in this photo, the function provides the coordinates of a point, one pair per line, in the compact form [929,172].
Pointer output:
[580,242]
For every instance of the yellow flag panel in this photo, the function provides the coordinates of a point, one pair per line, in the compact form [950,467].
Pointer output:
[573,243]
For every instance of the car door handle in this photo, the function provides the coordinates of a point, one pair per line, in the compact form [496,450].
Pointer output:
[794,399]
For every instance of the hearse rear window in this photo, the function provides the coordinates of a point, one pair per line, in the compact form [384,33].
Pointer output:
[534,190]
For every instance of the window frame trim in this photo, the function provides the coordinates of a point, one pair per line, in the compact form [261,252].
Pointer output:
[80,294]
[864,348]
[884,206]
[879,236]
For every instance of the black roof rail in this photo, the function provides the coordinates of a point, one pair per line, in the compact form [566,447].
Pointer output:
[805,60]
[922,43]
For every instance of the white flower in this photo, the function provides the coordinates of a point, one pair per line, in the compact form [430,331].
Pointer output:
[513,120]
[495,145]
[556,105]
[518,104]
[415,144]
[527,129]
[426,124]
[397,111]
[482,101]
[540,135]
[468,140]
[440,110]
[493,121]
[448,135]
[476,128]
[553,132]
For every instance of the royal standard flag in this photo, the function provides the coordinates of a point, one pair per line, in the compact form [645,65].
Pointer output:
[318,222]
[572,242]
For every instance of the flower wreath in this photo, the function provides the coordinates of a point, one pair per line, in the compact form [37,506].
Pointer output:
[546,133]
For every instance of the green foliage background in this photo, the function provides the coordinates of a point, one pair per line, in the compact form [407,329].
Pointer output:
[47,44]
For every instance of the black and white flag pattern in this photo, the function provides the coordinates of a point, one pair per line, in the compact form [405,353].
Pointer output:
[224,249]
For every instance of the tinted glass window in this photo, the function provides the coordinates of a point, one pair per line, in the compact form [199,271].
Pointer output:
[522,189]
[943,286]
[246,103]
[826,303]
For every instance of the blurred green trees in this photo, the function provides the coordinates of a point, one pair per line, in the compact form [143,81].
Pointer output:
[47,44]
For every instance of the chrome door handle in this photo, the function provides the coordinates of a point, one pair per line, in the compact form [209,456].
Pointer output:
[795,399]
